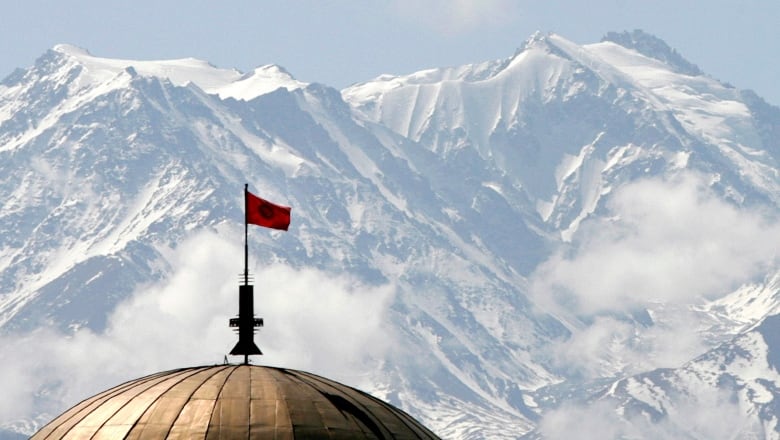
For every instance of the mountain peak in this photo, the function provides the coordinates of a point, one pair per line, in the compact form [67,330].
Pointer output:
[536,39]
[651,46]
[69,49]
[261,80]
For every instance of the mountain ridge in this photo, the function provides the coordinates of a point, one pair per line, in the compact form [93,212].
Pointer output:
[652,46]
[464,191]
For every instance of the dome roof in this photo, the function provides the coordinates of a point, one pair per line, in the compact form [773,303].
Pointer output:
[233,401]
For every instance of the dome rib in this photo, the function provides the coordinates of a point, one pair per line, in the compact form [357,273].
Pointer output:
[121,422]
[72,417]
[329,417]
[229,406]
[160,411]
[346,405]
[378,405]
[189,422]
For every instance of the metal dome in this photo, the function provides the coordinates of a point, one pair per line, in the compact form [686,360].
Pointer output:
[232,402]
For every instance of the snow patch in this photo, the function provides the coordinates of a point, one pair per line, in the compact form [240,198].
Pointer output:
[226,83]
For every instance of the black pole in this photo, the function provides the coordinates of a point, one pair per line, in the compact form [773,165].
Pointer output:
[246,234]
[246,249]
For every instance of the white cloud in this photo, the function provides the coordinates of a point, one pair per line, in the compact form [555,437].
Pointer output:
[598,420]
[663,240]
[610,347]
[670,242]
[315,321]
[458,16]
[704,414]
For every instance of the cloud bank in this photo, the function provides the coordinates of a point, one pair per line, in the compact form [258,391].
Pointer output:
[662,240]
[333,326]
[611,347]
[662,244]
[704,414]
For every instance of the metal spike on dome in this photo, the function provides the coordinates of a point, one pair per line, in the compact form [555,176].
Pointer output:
[245,324]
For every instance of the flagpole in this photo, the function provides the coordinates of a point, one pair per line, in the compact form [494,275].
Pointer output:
[246,235]
[246,254]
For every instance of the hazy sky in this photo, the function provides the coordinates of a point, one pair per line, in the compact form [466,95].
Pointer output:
[339,42]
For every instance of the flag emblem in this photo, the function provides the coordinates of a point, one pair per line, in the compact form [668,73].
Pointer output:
[261,212]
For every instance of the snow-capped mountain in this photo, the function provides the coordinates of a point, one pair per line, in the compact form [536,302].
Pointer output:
[566,123]
[528,232]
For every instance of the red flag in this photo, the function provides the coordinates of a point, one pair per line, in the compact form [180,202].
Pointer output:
[264,213]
